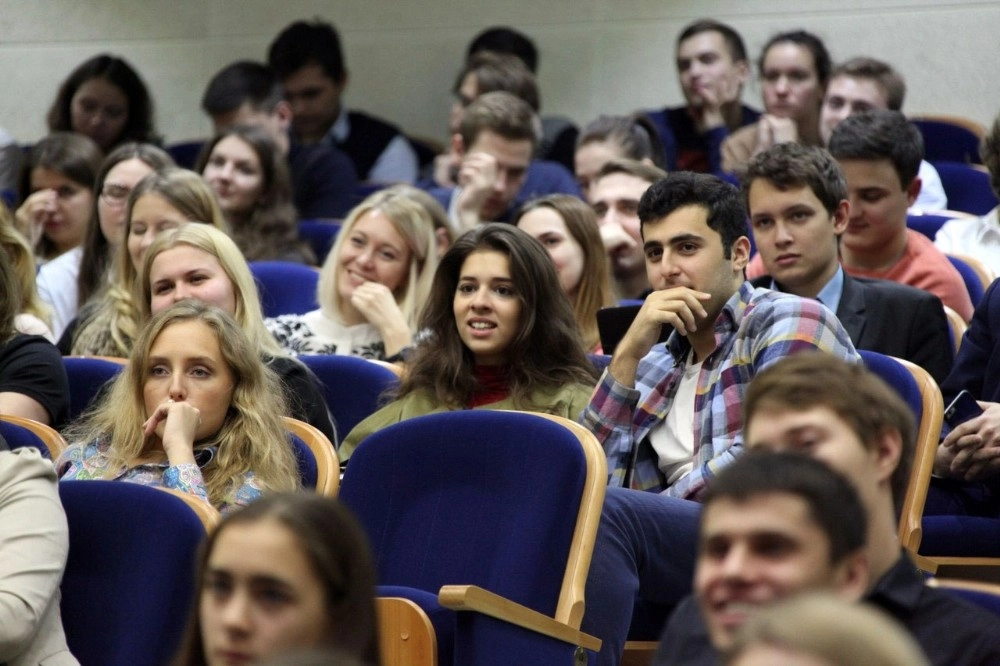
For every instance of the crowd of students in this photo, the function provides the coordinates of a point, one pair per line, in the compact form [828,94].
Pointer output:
[480,271]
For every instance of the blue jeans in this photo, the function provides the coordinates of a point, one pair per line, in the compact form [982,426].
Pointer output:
[644,553]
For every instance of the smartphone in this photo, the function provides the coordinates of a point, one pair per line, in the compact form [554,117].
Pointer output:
[961,409]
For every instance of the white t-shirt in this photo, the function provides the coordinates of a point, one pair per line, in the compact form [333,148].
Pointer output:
[673,440]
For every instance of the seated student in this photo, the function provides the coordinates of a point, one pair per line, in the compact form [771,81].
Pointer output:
[57,193]
[558,132]
[797,199]
[34,540]
[248,93]
[847,417]
[863,84]
[978,237]
[823,630]
[104,99]
[33,316]
[201,262]
[71,279]
[33,381]
[308,61]
[772,525]
[372,284]
[568,229]
[500,335]
[494,147]
[712,69]
[610,138]
[194,410]
[879,153]
[794,69]
[251,182]
[968,459]
[162,200]
[314,552]
[618,187]
[486,73]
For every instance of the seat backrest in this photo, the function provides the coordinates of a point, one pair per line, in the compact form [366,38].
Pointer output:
[129,580]
[928,225]
[319,235]
[324,467]
[967,187]
[285,287]
[185,153]
[950,138]
[87,376]
[508,501]
[974,282]
[352,387]
[921,393]
[19,432]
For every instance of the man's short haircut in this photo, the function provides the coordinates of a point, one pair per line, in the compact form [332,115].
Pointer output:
[723,203]
[833,502]
[500,71]
[303,43]
[810,42]
[641,170]
[242,82]
[882,74]
[880,135]
[989,150]
[808,380]
[504,39]
[635,136]
[734,43]
[503,114]
[792,165]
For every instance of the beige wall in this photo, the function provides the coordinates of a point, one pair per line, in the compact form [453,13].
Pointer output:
[596,55]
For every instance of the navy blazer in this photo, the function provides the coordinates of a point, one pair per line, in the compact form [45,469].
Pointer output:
[977,367]
[896,320]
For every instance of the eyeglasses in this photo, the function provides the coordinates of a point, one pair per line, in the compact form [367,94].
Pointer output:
[115,195]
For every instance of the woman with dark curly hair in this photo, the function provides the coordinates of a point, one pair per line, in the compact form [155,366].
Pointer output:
[500,334]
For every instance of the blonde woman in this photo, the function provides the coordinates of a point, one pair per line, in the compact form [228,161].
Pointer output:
[198,261]
[372,285]
[32,315]
[195,410]
[161,201]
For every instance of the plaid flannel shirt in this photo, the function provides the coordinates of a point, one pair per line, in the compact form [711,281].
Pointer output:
[755,328]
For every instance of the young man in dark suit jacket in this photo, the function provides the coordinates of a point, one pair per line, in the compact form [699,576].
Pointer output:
[797,199]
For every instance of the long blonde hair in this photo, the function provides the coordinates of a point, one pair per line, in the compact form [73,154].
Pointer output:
[111,326]
[212,241]
[416,225]
[23,262]
[252,437]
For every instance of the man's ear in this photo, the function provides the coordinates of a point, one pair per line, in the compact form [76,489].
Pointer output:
[740,253]
[887,452]
[913,191]
[841,216]
[852,576]
[283,115]
[742,71]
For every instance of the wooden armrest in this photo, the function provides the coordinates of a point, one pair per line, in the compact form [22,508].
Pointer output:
[406,635]
[474,598]
[924,563]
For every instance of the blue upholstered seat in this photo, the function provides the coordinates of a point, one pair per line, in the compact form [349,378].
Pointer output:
[483,498]
[285,287]
[87,376]
[129,581]
[352,387]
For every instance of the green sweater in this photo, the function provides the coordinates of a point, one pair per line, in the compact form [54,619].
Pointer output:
[566,401]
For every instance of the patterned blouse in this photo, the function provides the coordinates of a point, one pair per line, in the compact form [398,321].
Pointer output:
[90,461]
[315,333]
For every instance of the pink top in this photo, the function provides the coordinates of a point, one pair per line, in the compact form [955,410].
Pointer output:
[922,266]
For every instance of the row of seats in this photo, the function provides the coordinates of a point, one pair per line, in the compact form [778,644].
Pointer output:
[455,528]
